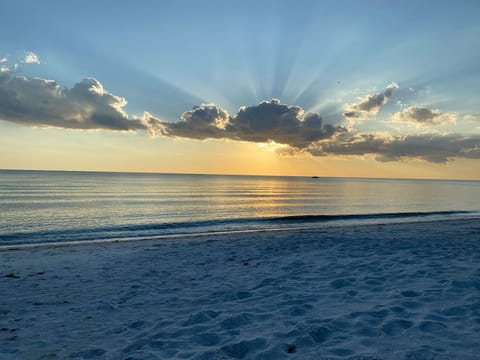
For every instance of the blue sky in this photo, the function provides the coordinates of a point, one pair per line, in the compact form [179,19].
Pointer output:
[165,57]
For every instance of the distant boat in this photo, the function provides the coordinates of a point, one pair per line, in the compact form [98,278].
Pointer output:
[315,177]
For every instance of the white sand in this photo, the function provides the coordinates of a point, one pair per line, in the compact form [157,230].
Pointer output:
[401,291]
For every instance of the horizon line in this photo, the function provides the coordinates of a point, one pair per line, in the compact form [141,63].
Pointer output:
[251,175]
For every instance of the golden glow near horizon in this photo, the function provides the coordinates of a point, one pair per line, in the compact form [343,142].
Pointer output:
[59,149]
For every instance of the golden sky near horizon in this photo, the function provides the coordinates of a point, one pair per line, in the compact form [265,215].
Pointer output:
[59,149]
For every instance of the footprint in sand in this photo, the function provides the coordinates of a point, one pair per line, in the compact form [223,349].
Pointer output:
[206,339]
[87,354]
[410,293]
[236,321]
[433,327]
[396,327]
[201,317]
[340,283]
[455,311]
[320,334]
[243,348]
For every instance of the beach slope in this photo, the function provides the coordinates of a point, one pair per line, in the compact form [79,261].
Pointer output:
[396,291]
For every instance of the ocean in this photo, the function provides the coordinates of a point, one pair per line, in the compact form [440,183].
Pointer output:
[59,206]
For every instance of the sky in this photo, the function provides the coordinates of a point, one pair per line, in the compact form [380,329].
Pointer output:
[311,88]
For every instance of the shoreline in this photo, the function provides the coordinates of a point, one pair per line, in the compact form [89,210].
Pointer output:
[391,291]
[187,236]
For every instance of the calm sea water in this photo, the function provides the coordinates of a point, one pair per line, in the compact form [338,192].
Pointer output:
[44,206]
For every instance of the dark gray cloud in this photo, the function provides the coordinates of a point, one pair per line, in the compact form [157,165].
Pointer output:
[202,122]
[265,122]
[369,105]
[43,103]
[40,102]
[423,116]
[436,148]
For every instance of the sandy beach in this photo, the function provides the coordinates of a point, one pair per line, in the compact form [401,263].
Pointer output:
[397,291]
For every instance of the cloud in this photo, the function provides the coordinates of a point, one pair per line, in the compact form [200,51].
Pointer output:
[369,105]
[8,69]
[87,105]
[283,124]
[470,117]
[3,66]
[206,121]
[40,102]
[422,116]
[269,121]
[31,58]
[435,148]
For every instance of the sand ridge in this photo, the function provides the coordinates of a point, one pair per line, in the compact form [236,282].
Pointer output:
[397,291]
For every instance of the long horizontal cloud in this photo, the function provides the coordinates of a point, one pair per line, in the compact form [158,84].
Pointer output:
[87,105]
[422,116]
[369,105]
[40,102]
[436,148]
[265,122]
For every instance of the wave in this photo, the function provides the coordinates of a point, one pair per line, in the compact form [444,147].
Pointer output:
[214,226]
[314,218]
